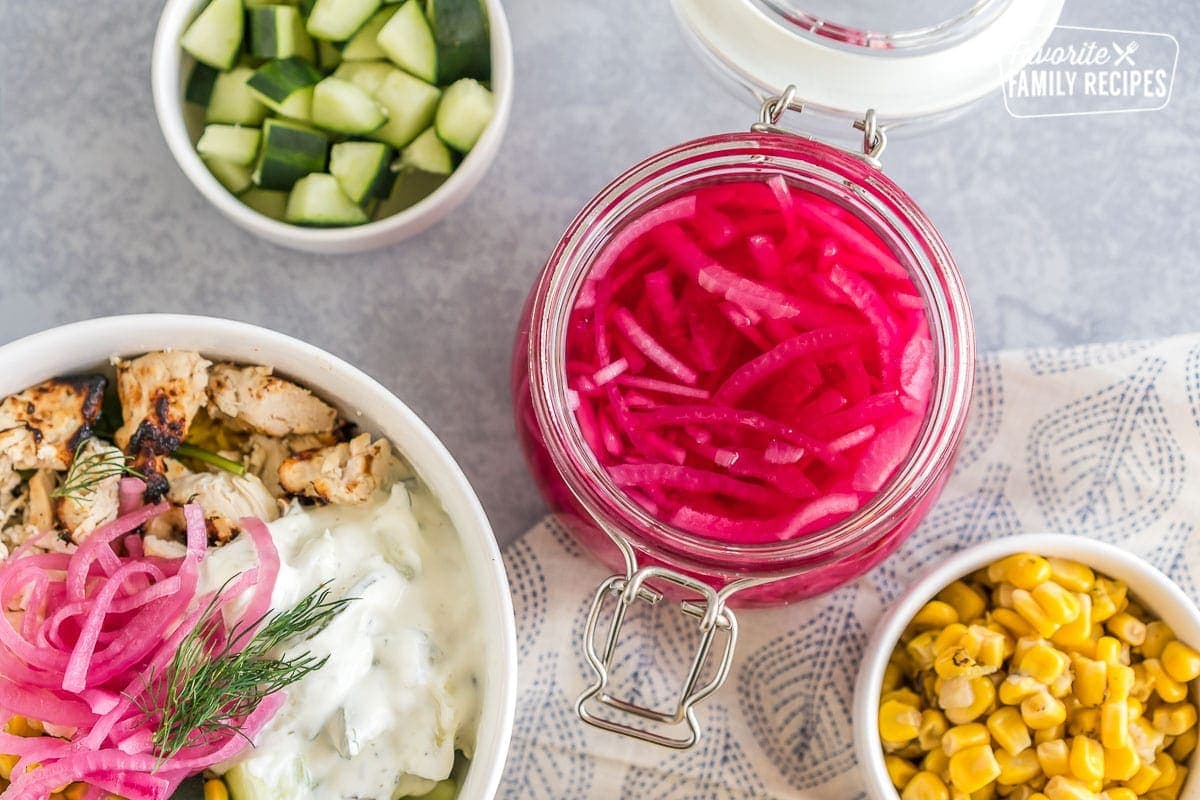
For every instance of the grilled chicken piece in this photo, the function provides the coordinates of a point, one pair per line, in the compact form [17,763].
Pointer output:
[160,394]
[39,510]
[41,426]
[343,474]
[254,399]
[225,498]
[92,506]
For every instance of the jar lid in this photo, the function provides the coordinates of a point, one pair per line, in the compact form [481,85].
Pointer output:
[846,57]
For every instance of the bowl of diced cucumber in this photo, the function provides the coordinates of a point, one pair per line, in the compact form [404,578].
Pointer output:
[333,125]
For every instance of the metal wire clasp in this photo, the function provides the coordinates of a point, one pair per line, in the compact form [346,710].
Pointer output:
[676,728]
[773,109]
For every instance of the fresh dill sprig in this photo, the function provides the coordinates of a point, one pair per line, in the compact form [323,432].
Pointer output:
[191,451]
[86,473]
[210,686]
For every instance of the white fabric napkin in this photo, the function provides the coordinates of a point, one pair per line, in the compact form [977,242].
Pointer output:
[1101,440]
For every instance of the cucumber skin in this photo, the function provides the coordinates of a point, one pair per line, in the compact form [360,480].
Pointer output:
[384,179]
[271,78]
[200,84]
[464,44]
[289,152]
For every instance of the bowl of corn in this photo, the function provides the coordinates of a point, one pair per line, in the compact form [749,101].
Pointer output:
[1034,667]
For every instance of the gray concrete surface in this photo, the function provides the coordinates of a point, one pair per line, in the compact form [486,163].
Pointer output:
[1067,230]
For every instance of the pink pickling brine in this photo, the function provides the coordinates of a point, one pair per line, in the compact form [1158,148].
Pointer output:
[750,362]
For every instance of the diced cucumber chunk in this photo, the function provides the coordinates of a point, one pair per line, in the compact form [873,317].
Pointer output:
[407,40]
[464,43]
[234,177]
[466,109]
[410,103]
[277,31]
[268,778]
[230,142]
[337,20]
[328,56]
[339,105]
[200,84]
[362,169]
[285,85]
[289,151]
[363,46]
[367,75]
[215,36]
[428,153]
[318,200]
[266,202]
[411,187]
[231,101]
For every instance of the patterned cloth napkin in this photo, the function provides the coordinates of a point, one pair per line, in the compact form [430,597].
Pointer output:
[1098,440]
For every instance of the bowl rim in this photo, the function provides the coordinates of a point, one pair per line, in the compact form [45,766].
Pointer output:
[54,352]
[1171,603]
[167,58]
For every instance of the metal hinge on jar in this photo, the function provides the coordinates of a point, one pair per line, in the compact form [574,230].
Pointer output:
[773,108]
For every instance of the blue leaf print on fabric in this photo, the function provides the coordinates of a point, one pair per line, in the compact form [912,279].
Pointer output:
[797,693]
[716,769]
[985,513]
[987,411]
[1057,360]
[547,760]
[564,538]
[1175,555]
[1108,463]
[527,583]
[1192,381]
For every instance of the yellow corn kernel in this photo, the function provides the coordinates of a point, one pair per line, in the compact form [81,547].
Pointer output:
[954,662]
[1018,769]
[215,790]
[937,762]
[1166,768]
[1059,731]
[898,722]
[1143,684]
[920,649]
[925,786]
[933,726]
[1120,763]
[1002,595]
[1061,787]
[1172,791]
[1043,663]
[973,768]
[961,737]
[1181,662]
[1009,731]
[1118,682]
[904,695]
[1114,724]
[1144,778]
[1023,570]
[1013,622]
[934,614]
[1030,611]
[1127,628]
[993,647]
[1040,711]
[1087,759]
[1038,796]
[982,694]
[1158,634]
[1057,603]
[1091,679]
[1147,740]
[1175,718]
[1184,745]
[1077,634]
[1110,651]
[1136,707]
[7,763]
[900,770]
[968,603]
[893,676]
[1016,688]
[1071,574]
[949,637]
[1083,721]
[1120,793]
[1055,757]
[1166,687]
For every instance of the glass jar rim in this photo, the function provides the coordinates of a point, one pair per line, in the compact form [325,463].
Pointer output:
[947,310]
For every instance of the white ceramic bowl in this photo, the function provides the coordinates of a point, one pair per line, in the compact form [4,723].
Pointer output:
[1155,590]
[85,346]
[169,69]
